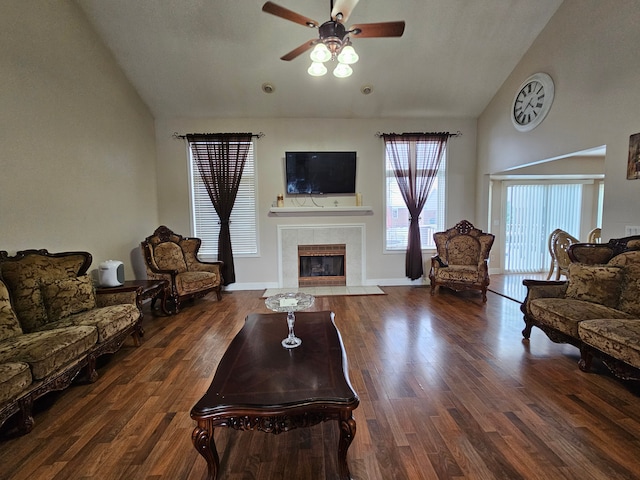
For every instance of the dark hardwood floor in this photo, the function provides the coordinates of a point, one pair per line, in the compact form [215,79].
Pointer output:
[448,389]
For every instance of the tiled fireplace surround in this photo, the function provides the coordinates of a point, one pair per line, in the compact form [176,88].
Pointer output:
[290,236]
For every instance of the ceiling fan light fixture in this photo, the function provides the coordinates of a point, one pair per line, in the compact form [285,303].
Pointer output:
[320,53]
[334,40]
[348,55]
[317,69]
[342,70]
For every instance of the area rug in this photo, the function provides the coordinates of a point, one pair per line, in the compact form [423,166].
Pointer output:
[327,291]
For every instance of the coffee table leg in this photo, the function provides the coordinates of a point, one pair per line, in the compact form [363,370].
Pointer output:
[347,432]
[203,441]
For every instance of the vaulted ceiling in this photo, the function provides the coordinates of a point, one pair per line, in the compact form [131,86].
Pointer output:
[209,58]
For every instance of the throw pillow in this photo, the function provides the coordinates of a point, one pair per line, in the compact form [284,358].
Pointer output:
[630,295]
[595,283]
[68,296]
[625,258]
[9,325]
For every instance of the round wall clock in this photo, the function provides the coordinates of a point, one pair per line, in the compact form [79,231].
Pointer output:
[532,102]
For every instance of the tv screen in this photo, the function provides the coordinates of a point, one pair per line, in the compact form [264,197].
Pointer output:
[320,172]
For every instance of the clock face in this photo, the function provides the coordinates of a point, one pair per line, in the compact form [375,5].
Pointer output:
[532,102]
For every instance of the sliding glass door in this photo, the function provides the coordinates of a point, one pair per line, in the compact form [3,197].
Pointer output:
[532,212]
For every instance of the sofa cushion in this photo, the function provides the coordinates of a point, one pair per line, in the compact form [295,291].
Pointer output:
[9,325]
[48,351]
[25,277]
[618,338]
[459,273]
[68,296]
[564,314]
[108,321]
[15,377]
[626,258]
[595,283]
[168,256]
[629,300]
[190,282]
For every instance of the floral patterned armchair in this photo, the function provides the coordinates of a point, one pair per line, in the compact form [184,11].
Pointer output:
[462,258]
[172,257]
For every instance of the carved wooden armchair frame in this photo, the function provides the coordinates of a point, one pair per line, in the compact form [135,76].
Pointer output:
[600,253]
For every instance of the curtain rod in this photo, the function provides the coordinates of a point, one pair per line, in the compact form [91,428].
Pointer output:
[457,134]
[177,135]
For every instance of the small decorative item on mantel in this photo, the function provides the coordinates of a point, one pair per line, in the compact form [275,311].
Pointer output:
[280,200]
[358,199]
[633,165]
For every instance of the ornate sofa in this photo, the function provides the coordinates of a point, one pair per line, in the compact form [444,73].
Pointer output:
[53,324]
[461,259]
[172,257]
[597,309]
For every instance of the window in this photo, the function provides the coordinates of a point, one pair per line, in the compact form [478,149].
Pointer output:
[243,222]
[397,215]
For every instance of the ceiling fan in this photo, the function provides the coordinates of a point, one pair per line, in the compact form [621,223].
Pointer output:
[334,41]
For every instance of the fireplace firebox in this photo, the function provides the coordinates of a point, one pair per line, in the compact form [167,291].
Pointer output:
[321,265]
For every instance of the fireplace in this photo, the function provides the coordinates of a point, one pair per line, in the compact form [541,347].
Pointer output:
[292,236]
[322,265]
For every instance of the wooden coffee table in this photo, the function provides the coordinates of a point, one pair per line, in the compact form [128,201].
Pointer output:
[259,385]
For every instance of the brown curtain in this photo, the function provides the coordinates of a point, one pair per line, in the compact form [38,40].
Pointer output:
[415,158]
[220,158]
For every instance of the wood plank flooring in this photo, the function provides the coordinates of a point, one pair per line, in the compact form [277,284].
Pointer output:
[448,390]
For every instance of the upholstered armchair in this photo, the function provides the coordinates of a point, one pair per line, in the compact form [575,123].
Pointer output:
[462,258]
[172,257]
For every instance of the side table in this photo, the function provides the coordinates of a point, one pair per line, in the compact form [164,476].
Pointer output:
[147,289]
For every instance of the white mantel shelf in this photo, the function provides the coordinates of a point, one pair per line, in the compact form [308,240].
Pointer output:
[319,211]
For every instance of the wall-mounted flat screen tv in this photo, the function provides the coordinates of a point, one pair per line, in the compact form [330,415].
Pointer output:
[321,173]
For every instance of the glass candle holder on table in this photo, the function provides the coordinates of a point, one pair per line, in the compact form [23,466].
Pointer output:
[290,302]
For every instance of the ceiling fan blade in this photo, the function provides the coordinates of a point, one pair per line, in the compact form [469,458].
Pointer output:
[287,14]
[345,7]
[382,29]
[300,50]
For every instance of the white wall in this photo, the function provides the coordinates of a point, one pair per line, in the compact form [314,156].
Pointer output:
[77,144]
[314,134]
[589,48]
